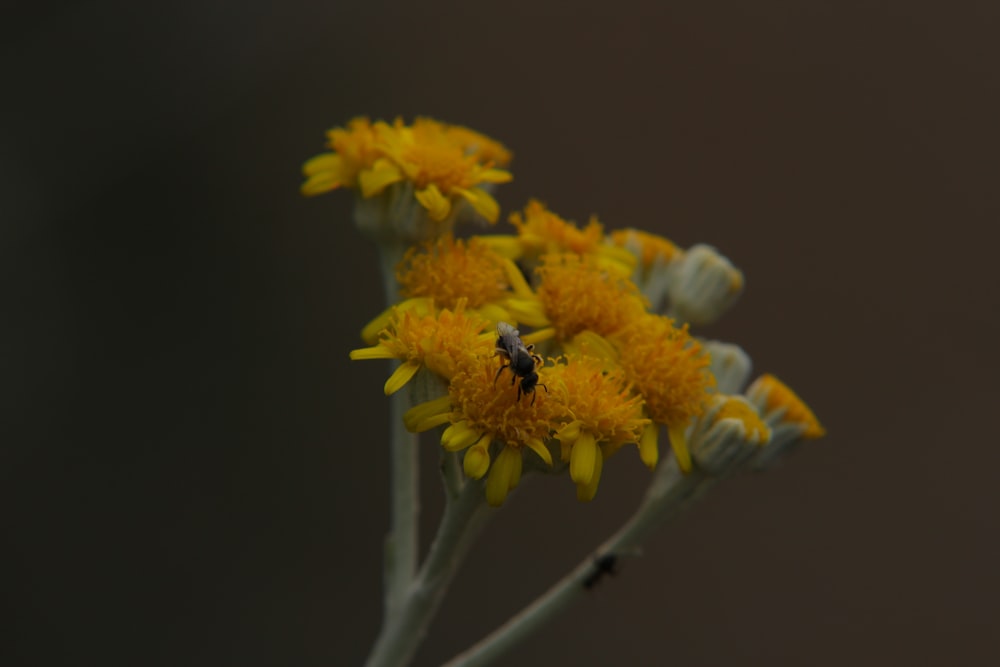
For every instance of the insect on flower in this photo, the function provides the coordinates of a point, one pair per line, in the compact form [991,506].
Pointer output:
[521,360]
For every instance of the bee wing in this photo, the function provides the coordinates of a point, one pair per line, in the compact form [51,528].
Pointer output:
[509,339]
[506,331]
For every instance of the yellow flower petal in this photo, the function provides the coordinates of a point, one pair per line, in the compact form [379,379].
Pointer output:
[678,441]
[586,492]
[382,174]
[649,450]
[539,448]
[403,374]
[477,460]
[516,280]
[528,312]
[581,461]
[320,183]
[375,352]
[482,201]
[459,435]
[423,413]
[538,336]
[503,244]
[322,162]
[494,176]
[505,471]
[438,206]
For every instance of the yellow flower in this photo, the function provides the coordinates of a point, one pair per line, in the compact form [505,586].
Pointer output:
[448,270]
[435,341]
[444,272]
[600,415]
[486,150]
[670,371]
[540,232]
[576,294]
[649,249]
[484,412]
[779,402]
[353,150]
[439,167]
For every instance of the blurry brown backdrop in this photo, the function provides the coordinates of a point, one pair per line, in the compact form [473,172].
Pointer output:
[195,473]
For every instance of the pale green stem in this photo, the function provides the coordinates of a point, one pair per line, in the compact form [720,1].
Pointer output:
[669,493]
[401,635]
[401,543]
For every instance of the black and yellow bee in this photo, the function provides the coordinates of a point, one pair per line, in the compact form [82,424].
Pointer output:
[520,360]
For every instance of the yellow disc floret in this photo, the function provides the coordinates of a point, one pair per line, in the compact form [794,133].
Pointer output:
[600,415]
[670,370]
[353,150]
[667,366]
[448,270]
[541,231]
[435,341]
[486,409]
[578,295]
[440,169]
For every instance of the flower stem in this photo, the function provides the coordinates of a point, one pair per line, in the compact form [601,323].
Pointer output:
[401,635]
[669,493]
[401,543]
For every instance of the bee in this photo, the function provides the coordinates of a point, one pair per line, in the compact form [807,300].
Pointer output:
[520,360]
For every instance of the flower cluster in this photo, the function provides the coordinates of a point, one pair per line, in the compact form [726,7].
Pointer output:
[443,166]
[609,315]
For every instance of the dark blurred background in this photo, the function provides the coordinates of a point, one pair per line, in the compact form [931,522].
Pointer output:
[196,474]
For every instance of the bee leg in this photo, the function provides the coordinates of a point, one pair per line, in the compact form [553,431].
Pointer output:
[534,395]
[543,387]
[538,360]
[497,376]
[518,393]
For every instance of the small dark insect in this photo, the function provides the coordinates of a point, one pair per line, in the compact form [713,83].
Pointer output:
[604,564]
[520,360]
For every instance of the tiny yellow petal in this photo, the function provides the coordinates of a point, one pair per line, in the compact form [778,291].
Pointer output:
[458,436]
[539,448]
[649,450]
[403,374]
[375,352]
[438,206]
[482,201]
[477,460]
[319,183]
[581,461]
[423,412]
[678,441]
[431,422]
[504,244]
[323,162]
[379,177]
[538,336]
[516,280]
[370,332]
[586,492]
[498,482]
[495,176]
[517,461]
[530,312]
